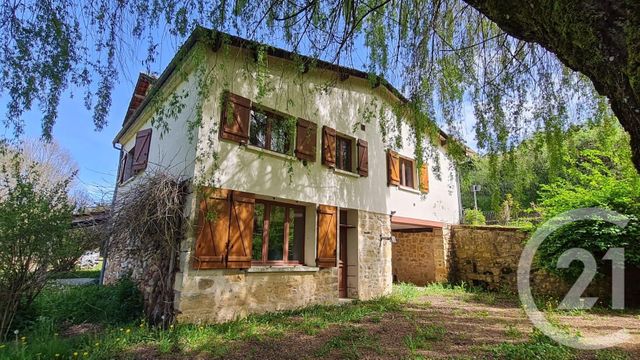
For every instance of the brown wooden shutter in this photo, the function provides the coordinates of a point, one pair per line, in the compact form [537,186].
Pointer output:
[327,236]
[123,165]
[328,146]
[213,229]
[363,158]
[424,178]
[235,126]
[306,140]
[393,168]
[141,150]
[240,230]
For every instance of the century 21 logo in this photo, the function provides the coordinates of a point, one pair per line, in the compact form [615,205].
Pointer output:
[573,300]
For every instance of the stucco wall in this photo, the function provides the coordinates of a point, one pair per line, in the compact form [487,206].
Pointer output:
[342,107]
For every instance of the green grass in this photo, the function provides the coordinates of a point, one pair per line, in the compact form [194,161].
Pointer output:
[114,308]
[77,274]
[539,346]
[350,343]
[512,332]
[424,336]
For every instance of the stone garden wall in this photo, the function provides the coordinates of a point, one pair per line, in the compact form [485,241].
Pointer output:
[488,256]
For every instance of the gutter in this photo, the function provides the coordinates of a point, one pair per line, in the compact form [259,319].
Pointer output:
[105,244]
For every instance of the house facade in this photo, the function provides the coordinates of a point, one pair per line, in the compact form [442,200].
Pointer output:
[302,178]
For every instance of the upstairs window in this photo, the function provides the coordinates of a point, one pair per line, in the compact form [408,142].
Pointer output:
[126,172]
[344,151]
[269,131]
[278,233]
[407,172]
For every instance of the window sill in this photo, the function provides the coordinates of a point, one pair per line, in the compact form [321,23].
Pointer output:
[260,150]
[129,180]
[409,189]
[346,173]
[281,269]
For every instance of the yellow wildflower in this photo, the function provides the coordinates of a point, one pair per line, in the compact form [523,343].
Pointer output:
[57,355]
[85,354]
[75,354]
[97,343]
[23,338]
[128,331]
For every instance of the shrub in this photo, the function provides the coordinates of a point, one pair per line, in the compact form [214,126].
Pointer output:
[474,217]
[34,221]
[70,305]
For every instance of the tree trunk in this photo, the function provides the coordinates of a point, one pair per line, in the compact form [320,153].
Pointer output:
[598,38]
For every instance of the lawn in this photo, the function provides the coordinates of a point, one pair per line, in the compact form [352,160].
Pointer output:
[413,323]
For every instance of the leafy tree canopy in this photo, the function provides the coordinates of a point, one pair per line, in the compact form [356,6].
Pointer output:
[591,156]
[517,71]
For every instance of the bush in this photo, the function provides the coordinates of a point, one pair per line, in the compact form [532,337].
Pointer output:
[70,305]
[474,217]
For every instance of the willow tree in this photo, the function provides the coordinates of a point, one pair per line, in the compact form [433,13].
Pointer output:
[524,66]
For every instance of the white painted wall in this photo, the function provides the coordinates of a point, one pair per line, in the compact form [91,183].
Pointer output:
[341,107]
[170,149]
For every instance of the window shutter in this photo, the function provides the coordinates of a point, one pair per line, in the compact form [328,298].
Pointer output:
[424,178]
[393,168]
[328,146]
[123,166]
[235,126]
[327,236]
[306,140]
[213,233]
[240,230]
[141,150]
[363,158]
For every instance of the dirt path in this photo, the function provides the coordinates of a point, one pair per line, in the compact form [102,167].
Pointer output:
[461,326]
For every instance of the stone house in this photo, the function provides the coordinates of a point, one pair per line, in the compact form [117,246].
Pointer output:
[306,185]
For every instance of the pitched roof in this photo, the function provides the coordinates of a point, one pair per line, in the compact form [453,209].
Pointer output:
[216,38]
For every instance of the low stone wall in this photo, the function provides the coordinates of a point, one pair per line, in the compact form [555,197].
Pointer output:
[214,296]
[421,257]
[488,256]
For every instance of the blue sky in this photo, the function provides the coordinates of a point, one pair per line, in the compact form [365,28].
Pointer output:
[92,150]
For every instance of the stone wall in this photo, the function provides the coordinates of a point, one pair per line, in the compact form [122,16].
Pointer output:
[413,259]
[422,257]
[374,256]
[213,296]
[488,256]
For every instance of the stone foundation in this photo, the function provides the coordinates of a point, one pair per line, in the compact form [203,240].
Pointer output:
[214,296]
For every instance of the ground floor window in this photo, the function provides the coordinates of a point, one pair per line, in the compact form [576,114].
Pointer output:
[278,233]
